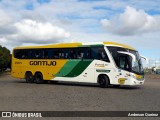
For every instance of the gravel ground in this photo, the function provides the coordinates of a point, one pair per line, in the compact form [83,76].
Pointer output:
[16,95]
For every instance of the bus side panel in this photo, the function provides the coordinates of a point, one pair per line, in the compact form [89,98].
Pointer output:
[88,74]
[16,68]
[91,72]
[72,70]
[20,67]
[104,68]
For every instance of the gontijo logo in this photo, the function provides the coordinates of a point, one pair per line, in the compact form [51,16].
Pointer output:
[43,63]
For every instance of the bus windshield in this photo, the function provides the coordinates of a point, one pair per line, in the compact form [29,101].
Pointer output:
[125,61]
[137,65]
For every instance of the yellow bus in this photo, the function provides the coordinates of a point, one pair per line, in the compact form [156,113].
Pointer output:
[105,63]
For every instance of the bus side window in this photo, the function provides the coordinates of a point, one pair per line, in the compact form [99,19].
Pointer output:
[102,54]
[17,54]
[21,54]
[61,53]
[30,54]
[55,54]
[50,53]
[66,54]
[80,53]
[72,53]
[38,53]
[86,53]
[46,54]
[94,53]
[99,53]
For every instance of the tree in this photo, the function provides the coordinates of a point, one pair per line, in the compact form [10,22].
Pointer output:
[5,58]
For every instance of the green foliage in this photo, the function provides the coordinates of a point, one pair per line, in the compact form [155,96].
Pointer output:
[5,58]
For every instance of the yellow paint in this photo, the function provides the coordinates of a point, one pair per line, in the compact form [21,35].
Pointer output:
[138,76]
[101,66]
[121,80]
[118,44]
[128,74]
[19,70]
[58,45]
[65,45]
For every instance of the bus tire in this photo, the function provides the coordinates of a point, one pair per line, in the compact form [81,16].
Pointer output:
[103,81]
[39,78]
[54,82]
[116,86]
[29,77]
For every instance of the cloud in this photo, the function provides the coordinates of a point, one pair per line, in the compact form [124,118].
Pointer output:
[132,22]
[38,32]
[23,21]
[4,18]
[33,32]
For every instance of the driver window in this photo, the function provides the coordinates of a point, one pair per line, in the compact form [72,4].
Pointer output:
[124,62]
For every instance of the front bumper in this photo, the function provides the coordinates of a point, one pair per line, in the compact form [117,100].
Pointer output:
[137,82]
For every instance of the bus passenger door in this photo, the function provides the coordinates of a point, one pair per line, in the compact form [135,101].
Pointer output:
[125,67]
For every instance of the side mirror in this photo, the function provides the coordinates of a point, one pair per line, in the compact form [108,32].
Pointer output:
[130,54]
[145,58]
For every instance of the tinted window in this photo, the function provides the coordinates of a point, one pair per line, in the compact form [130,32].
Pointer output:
[99,53]
[63,53]
[84,53]
[121,60]
[37,53]
[20,54]
[124,62]
[114,53]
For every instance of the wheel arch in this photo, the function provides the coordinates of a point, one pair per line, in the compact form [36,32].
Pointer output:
[38,72]
[103,75]
[37,75]
[28,72]
[29,77]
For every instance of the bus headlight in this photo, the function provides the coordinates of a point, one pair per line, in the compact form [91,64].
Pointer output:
[138,77]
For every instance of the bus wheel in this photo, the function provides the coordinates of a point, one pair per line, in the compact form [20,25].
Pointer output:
[39,78]
[29,77]
[103,81]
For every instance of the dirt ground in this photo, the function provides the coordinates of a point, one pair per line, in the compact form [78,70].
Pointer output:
[17,95]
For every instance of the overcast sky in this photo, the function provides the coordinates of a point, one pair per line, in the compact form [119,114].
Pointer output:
[132,22]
